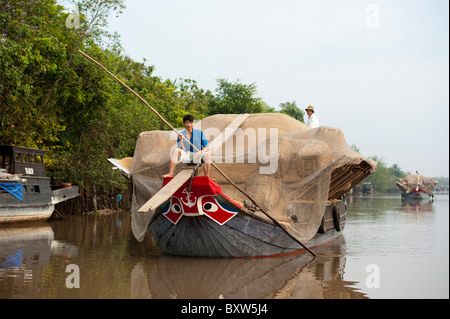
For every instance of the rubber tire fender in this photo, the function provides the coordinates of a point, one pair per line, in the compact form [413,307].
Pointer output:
[336,218]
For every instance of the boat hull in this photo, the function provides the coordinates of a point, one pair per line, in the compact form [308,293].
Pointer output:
[35,205]
[416,196]
[25,213]
[245,235]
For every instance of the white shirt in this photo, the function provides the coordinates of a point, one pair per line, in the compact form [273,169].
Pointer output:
[312,121]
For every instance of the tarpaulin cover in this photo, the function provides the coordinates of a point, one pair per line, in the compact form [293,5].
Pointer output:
[290,170]
[15,189]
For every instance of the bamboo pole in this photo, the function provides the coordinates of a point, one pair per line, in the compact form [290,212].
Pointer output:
[212,164]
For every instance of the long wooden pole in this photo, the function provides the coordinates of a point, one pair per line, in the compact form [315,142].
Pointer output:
[212,164]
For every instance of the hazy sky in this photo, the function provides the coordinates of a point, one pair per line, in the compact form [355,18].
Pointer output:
[379,70]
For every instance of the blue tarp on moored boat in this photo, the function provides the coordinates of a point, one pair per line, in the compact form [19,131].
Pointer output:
[15,189]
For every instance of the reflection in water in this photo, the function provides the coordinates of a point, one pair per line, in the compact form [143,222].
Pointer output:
[24,252]
[417,206]
[368,203]
[300,276]
[34,257]
[113,265]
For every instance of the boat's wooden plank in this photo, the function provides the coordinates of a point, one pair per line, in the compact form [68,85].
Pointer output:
[219,247]
[251,244]
[223,237]
[263,231]
[5,180]
[164,193]
[162,231]
[230,243]
[173,241]
[235,236]
[123,165]
[191,237]
[63,194]
[204,238]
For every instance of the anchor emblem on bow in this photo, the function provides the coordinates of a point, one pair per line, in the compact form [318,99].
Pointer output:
[189,203]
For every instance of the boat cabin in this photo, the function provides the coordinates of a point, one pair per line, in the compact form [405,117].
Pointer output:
[22,160]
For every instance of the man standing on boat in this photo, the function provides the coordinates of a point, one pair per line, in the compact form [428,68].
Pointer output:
[312,121]
[186,152]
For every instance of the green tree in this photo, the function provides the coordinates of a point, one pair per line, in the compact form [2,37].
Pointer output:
[38,79]
[396,171]
[31,54]
[381,178]
[235,98]
[385,177]
[291,109]
[88,23]
[112,132]
[193,99]
[53,98]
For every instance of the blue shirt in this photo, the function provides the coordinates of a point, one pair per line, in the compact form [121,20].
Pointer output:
[197,138]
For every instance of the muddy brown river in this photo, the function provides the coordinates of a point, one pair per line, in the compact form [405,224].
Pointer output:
[389,249]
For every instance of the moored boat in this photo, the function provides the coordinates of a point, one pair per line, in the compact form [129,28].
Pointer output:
[25,193]
[255,204]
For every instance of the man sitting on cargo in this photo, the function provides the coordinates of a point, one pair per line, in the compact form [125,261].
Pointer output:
[186,152]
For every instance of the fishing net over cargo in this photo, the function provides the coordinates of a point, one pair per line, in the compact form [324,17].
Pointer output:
[418,181]
[289,170]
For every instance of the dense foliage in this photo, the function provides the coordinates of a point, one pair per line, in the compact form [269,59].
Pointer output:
[53,98]
[384,178]
[236,98]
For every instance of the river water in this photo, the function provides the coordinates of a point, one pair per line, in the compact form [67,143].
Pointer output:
[389,249]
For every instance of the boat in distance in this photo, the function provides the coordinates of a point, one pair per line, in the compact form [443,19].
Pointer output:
[417,187]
